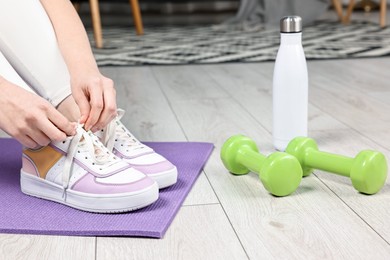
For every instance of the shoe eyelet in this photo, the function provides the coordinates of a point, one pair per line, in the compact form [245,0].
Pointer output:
[116,140]
[63,142]
[93,163]
[86,157]
[100,169]
[78,151]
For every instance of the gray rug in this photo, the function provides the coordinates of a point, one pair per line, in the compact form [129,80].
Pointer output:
[207,44]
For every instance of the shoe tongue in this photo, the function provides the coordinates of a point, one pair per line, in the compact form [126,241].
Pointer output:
[122,133]
[99,153]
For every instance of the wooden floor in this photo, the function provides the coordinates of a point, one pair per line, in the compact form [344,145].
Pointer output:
[230,217]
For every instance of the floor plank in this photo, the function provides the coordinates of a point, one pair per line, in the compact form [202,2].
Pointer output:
[148,114]
[202,193]
[198,232]
[46,247]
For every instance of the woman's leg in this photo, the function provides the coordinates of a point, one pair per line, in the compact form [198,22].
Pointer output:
[8,72]
[28,42]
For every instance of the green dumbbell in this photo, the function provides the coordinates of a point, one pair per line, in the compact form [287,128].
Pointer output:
[367,171]
[280,172]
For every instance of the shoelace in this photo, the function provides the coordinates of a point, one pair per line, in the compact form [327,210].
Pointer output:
[116,131]
[85,142]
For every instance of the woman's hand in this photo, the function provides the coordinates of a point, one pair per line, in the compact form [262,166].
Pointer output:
[30,119]
[96,97]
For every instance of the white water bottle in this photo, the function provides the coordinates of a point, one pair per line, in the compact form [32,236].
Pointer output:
[290,85]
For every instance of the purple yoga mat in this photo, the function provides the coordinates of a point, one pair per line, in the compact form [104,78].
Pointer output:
[22,214]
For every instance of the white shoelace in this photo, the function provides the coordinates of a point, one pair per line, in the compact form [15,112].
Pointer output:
[116,131]
[86,142]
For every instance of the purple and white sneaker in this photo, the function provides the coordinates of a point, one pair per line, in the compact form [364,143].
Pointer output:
[81,173]
[118,139]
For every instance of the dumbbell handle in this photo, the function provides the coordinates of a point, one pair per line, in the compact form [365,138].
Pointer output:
[338,164]
[251,159]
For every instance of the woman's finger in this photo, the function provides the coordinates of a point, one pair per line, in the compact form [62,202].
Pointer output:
[110,109]
[97,105]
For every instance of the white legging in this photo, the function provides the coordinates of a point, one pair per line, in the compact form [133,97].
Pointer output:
[29,53]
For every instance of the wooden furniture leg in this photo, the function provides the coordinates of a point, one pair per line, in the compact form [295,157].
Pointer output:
[383,12]
[347,17]
[339,9]
[382,16]
[137,17]
[96,23]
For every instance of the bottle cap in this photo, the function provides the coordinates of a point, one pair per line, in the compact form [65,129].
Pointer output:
[291,24]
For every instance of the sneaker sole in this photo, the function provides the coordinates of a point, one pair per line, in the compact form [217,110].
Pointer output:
[99,203]
[165,179]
